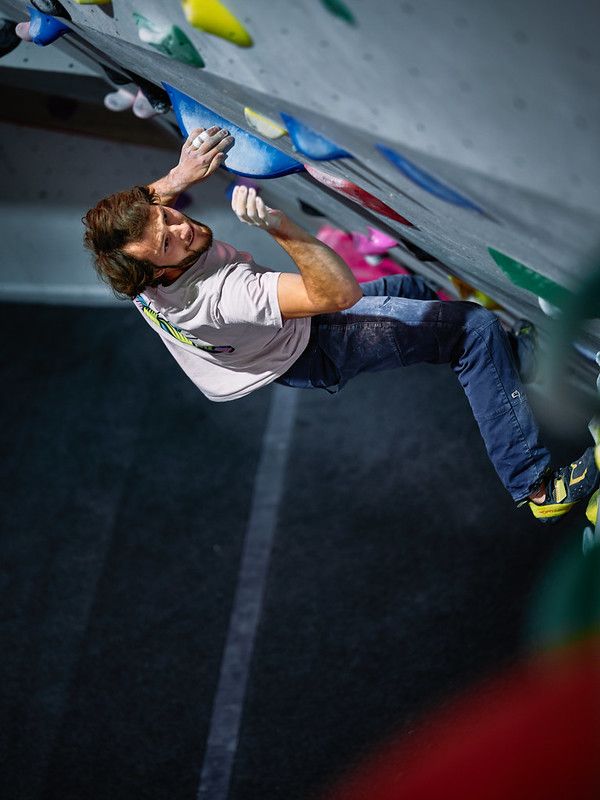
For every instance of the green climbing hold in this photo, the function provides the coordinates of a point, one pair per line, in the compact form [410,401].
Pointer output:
[527,278]
[340,9]
[566,604]
[169,40]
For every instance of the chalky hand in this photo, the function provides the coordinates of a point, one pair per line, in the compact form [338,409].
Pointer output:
[250,208]
[202,153]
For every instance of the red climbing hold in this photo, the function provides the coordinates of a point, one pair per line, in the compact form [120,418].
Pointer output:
[349,189]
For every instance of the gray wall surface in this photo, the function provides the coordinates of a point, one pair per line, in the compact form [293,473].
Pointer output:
[497,101]
[53,178]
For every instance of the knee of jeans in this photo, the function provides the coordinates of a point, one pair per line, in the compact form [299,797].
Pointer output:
[479,318]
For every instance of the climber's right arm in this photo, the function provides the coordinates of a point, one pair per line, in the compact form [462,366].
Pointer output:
[202,153]
[325,283]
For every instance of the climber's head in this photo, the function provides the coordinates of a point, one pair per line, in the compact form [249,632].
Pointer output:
[137,242]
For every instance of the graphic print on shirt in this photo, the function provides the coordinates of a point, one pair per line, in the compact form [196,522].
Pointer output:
[177,333]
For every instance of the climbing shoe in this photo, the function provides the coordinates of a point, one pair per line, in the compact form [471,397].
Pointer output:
[567,486]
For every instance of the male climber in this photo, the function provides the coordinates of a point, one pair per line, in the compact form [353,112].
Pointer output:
[234,326]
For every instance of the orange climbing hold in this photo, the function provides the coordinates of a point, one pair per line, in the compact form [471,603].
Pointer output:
[212,16]
[467,292]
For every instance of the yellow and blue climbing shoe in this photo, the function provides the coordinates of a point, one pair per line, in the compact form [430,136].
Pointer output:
[567,486]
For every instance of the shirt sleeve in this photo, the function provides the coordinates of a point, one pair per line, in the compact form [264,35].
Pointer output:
[250,297]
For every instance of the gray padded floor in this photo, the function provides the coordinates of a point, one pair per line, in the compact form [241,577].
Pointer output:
[400,573]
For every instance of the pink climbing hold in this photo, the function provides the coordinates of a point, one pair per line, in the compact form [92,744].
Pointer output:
[344,245]
[22,31]
[349,189]
[376,243]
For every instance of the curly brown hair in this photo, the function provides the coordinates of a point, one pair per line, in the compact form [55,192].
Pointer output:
[114,222]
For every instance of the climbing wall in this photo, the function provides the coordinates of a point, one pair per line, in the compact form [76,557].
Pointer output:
[465,132]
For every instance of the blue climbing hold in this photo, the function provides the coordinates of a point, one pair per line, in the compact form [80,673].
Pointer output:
[425,180]
[44,29]
[311,143]
[249,156]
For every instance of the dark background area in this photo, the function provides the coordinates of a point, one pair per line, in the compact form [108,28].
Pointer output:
[401,572]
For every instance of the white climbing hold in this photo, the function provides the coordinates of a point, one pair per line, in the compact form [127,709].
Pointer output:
[549,309]
[120,100]
[142,107]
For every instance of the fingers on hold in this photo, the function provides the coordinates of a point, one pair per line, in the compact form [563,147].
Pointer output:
[221,143]
[216,162]
[199,141]
[216,134]
[193,134]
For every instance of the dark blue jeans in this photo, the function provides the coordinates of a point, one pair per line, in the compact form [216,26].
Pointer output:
[400,322]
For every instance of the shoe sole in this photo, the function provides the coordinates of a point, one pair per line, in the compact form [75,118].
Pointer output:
[551,513]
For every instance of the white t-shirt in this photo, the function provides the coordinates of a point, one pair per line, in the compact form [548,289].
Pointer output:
[222,323]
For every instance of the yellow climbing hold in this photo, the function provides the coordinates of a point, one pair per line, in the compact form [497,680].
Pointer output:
[591,511]
[212,16]
[467,292]
[265,126]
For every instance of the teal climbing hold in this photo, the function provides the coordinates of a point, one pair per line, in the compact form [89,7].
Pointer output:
[250,156]
[169,40]
[310,143]
[339,9]
[527,278]
[566,605]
